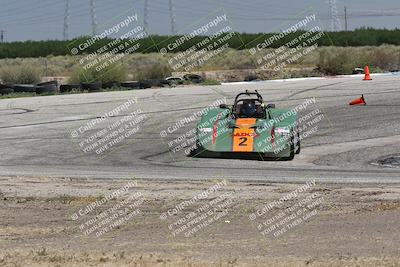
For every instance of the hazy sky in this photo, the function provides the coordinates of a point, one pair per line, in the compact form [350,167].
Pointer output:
[44,19]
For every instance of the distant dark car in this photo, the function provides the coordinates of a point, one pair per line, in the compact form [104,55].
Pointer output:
[193,78]
[358,71]
[174,80]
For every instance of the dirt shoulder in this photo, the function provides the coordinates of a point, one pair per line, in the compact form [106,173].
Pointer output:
[70,222]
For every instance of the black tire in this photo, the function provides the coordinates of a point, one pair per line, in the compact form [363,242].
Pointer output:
[197,151]
[48,83]
[5,91]
[92,87]
[250,78]
[49,88]
[131,85]
[22,88]
[69,87]
[292,152]
[298,144]
[144,85]
[111,84]
[164,82]
[156,82]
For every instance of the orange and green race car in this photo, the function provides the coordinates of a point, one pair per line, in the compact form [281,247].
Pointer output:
[248,128]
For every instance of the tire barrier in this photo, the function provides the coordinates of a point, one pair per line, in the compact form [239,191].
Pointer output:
[4,86]
[48,88]
[111,84]
[155,82]
[6,91]
[250,78]
[52,86]
[24,88]
[144,85]
[69,87]
[92,87]
[131,85]
[48,83]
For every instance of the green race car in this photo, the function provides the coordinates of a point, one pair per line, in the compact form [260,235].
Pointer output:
[247,129]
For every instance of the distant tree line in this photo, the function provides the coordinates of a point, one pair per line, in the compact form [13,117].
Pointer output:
[359,37]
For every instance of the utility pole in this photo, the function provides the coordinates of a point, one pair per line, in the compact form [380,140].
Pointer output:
[93,12]
[66,20]
[345,18]
[146,14]
[2,36]
[173,16]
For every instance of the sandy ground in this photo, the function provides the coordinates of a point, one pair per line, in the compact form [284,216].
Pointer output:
[127,222]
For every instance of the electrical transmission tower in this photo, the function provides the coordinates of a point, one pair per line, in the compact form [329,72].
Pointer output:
[335,21]
[146,14]
[93,12]
[66,20]
[173,16]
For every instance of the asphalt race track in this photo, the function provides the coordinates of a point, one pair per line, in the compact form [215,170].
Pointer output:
[36,140]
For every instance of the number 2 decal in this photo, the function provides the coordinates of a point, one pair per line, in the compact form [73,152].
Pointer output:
[243,141]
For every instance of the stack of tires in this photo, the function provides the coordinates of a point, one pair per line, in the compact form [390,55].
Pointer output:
[65,88]
[50,87]
[136,85]
[110,85]
[40,88]
[92,87]
[5,89]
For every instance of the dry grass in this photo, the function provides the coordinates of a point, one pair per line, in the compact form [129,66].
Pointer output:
[341,60]
[20,74]
[330,60]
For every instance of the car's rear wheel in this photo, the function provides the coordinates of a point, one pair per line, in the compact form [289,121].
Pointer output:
[291,150]
[298,144]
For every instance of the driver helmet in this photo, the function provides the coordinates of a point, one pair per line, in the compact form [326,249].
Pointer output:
[248,109]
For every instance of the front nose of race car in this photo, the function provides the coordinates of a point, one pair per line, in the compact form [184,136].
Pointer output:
[236,136]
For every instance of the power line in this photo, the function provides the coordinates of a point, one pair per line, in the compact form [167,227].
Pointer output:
[27,8]
[22,12]
[54,17]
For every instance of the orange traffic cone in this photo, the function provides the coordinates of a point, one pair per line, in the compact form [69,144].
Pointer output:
[367,75]
[358,101]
